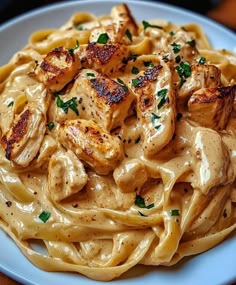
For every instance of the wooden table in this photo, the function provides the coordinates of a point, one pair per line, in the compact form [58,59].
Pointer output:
[4,280]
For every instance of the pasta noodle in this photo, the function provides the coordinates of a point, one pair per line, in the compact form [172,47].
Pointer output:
[118,144]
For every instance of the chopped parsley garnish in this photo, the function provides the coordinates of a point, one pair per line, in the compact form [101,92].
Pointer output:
[70,104]
[179,116]
[174,212]
[157,127]
[135,70]
[139,201]
[148,25]
[162,94]
[10,104]
[178,59]
[202,60]
[192,43]
[79,28]
[103,38]
[129,35]
[161,103]
[44,216]
[51,125]
[71,50]
[90,74]
[184,71]
[155,117]
[148,63]
[171,33]
[121,82]
[176,47]
[135,82]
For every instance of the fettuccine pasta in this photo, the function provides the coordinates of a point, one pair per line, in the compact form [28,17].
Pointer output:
[118,144]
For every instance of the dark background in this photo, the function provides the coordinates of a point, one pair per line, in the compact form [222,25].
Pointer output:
[223,11]
[11,8]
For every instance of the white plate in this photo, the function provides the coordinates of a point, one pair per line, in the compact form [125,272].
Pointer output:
[214,267]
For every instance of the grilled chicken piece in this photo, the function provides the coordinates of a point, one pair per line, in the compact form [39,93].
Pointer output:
[155,107]
[211,160]
[99,98]
[106,58]
[211,107]
[202,76]
[90,143]
[66,175]
[116,28]
[58,68]
[23,140]
[130,175]
[48,147]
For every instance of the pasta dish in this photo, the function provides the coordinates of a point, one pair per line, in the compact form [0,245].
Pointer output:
[118,144]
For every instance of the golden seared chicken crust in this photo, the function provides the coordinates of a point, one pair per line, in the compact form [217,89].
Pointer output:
[93,145]
[58,68]
[211,107]
[106,58]
[202,76]
[100,98]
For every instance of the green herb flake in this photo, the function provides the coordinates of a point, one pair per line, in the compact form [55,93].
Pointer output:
[154,117]
[134,70]
[51,125]
[90,74]
[162,94]
[79,28]
[103,38]
[157,127]
[192,43]
[148,25]
[182,81]
[176,47]
[135,82]
[174,212]
[44,216]
[139,201]
[202,60]
[129,35]
[70,104]
[171,33]
[148,63]
[178,59]
[10,104]
[161,103]
[121,82]
[71,50]
[184,69]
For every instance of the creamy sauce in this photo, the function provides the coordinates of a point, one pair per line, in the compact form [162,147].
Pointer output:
[108,186]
